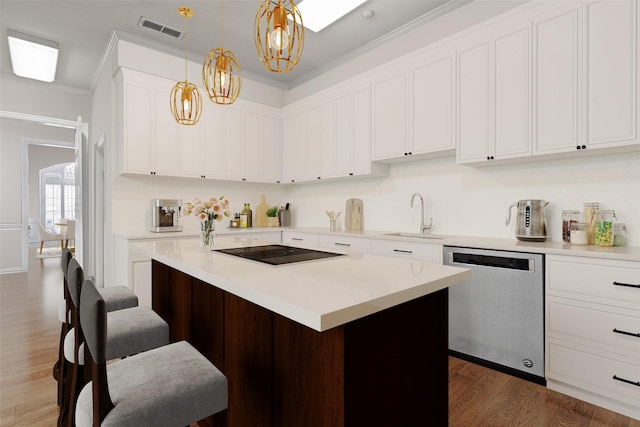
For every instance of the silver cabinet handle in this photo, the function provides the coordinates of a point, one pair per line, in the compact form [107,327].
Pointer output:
[297,239]
[341,244]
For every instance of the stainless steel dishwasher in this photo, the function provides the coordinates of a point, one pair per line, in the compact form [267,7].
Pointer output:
[496,318]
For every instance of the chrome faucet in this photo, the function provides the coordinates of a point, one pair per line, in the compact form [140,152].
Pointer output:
[423,227]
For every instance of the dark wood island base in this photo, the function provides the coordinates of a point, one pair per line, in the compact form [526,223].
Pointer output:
[385,369]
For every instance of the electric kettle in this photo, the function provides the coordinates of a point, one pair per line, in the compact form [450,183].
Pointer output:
[531,221]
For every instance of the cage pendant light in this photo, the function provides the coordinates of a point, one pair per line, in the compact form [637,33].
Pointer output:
[221,72]
[185,99]
[279,35]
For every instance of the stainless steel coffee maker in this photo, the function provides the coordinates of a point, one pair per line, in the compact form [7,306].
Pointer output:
[531,222]
[165,215]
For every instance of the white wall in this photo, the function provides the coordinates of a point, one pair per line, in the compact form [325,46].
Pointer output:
[132,195]
[473,201]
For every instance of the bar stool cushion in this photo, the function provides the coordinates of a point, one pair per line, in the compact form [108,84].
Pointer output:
[169,386]
[118,297]
[131,330]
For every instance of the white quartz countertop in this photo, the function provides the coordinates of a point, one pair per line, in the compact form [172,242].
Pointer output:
[625,253]
[320,294]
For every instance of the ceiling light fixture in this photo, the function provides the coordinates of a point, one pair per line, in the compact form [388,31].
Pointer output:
[33,57]
[221,72]
[279,35]
[321,13]
[186,103]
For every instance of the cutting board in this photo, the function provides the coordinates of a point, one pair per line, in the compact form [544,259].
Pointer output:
[261,212]
[353,217]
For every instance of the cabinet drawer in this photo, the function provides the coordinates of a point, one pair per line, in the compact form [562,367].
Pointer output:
[591,277]
[421,252]
[599,325]
[596,373]
[300,239]
[343,243]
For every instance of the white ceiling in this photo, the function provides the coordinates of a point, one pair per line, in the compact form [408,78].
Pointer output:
[83,29]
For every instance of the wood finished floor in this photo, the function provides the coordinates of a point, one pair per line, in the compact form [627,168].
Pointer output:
[29,333]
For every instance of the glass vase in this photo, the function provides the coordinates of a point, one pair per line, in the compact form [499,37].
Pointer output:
[207,233]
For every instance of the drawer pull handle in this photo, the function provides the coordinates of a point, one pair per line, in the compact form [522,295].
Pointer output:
[636,383]
[633,334]
[341,244]
[297,238]
[626,284]
[402,252]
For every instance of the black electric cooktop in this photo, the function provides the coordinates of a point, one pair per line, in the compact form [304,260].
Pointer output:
[277,254]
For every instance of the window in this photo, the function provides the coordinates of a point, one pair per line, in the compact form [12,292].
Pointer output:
[57,194]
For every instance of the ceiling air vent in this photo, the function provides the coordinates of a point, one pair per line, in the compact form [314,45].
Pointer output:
[155,26]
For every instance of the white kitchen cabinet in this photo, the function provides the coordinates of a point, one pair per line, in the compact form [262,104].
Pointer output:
[432,96]
[241,141]
[298,238]
[263,153]
[557,80]
[301,161]
[389,104]
[611,81]
[494,97]
[593,330]
[586,77]
[414,251]
[148,133]
[473,103]
[328,136]
[192,140]
[343,243]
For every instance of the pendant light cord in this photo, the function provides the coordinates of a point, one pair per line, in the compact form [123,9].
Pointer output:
[186,41]
[222,24]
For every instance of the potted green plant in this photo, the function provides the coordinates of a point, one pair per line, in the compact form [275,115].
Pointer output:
[272,217]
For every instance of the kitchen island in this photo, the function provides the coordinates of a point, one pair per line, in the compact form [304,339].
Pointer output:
[347,341]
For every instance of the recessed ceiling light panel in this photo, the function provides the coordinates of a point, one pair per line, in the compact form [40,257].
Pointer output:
[33,57]
[318,14]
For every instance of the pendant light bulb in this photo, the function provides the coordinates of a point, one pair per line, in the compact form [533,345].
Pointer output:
[279,37]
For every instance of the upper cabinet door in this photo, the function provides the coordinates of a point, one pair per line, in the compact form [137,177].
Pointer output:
[136,122]
[512,94]
[612,67]
[473,103]
[556,81]
[390,116]
[433,104]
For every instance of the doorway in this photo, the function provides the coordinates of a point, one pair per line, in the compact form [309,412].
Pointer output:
[14,218]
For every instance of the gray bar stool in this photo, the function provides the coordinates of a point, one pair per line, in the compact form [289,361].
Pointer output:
[131,331]
[169,386]
[116,298]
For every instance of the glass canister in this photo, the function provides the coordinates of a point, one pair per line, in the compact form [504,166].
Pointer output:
[619,234]
[579,235]
[569,218]
[588,217]
[604,227]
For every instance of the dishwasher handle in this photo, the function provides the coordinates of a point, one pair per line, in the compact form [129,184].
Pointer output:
[523,264]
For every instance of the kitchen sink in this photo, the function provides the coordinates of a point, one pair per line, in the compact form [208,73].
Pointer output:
[418,236]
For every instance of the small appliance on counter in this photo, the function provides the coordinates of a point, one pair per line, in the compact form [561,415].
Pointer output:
[165,215]
[531,220]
